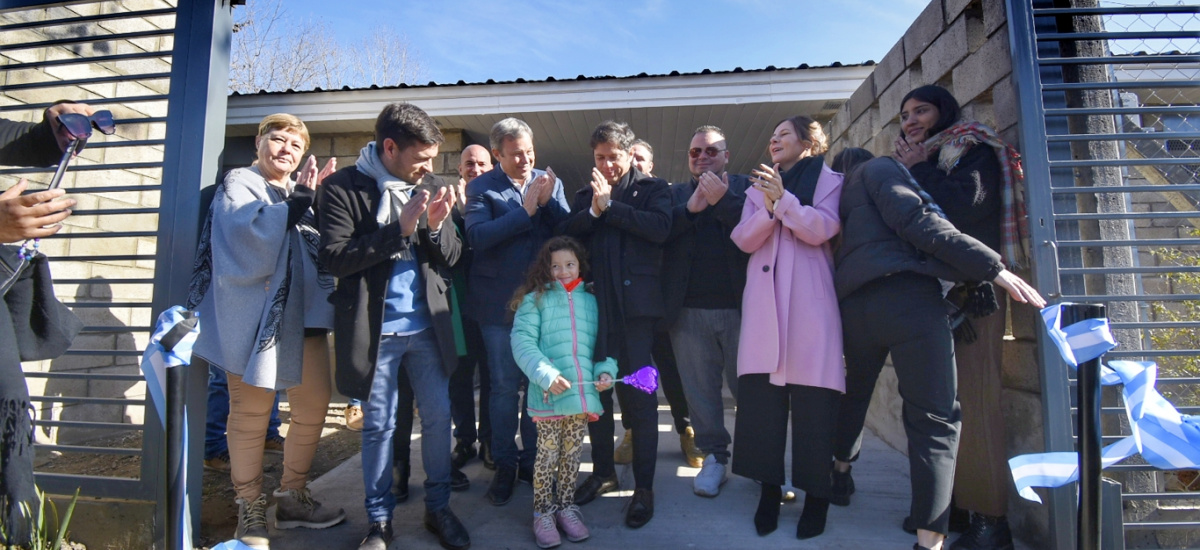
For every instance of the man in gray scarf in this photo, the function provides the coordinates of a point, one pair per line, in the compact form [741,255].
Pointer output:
[384,240]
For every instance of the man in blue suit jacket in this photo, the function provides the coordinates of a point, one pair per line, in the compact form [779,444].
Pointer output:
[511,212]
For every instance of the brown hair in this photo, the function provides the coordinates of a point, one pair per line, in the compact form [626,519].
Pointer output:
[804,130]
[284,121]
[539,274]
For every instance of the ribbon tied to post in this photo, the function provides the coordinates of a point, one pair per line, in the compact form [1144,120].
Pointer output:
[1165,438]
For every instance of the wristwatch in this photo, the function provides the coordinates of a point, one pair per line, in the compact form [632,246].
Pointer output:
[608,205]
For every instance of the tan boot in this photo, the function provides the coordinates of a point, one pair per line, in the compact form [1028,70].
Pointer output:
[354,418]
[624,452]
[687,444]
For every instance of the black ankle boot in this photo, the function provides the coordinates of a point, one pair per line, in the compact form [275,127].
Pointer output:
[985,533]
[843,487]
[812,519]
[766,518]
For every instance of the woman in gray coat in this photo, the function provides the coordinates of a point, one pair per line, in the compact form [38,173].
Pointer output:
[265,315]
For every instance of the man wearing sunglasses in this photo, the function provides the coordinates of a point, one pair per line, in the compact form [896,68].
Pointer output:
[703,277]
[35,144]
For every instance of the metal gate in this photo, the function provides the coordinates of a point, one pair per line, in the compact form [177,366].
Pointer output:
[125,254]
[1110,117]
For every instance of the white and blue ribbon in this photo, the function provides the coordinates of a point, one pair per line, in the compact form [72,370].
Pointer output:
[171,342]
[1166,439]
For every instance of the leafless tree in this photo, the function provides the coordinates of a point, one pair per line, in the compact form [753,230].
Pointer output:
[273,51]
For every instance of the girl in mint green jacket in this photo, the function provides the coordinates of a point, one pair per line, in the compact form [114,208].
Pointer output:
[554,332]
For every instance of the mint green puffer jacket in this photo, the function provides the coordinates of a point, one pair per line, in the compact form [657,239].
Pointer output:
[552,336]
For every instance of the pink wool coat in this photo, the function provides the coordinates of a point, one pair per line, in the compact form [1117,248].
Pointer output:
[791,326]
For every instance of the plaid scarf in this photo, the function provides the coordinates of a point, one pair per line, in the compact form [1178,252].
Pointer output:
[953,142]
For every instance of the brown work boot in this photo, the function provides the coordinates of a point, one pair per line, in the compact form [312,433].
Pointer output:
[687,443]
[624,452]
[354,418]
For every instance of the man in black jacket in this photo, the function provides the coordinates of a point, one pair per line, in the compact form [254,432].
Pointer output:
[623,217]
[703,277]
[386,243]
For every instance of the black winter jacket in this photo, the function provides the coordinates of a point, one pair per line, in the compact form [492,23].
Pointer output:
[359,253]
[27,144]
[969,194]
[889,226]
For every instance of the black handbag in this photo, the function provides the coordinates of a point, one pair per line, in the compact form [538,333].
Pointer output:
[43,326]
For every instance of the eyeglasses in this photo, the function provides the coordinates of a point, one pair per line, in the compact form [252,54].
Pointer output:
[80,126]
[694,152]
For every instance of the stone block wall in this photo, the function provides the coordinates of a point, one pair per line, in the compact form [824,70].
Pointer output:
[961,45]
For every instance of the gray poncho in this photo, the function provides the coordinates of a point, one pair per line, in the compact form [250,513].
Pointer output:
[257,284]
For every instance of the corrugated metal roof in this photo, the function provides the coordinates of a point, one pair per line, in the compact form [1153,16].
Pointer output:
[490,82]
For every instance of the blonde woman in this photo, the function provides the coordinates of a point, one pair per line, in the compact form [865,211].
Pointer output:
[262,297]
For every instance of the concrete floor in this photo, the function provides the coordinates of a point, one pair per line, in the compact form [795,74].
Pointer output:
[682,519]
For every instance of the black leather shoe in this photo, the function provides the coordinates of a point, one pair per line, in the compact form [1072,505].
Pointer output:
[400,474]
[985,533]
[593,487]
[501,489]
[459,481]
[463,452]
[485,454]
[378,538]
[843,487]
[641,508]
[450,532]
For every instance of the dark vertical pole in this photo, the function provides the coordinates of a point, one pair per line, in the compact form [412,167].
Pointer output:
[176,390]
[1089,434]
[191,160]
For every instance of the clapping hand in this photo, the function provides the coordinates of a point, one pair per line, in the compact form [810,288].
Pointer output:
[547,188]
[768,180]
[410,214]
[909,154]
[714,187]
[601,191]
[439,208]
[698,201]
[533,193]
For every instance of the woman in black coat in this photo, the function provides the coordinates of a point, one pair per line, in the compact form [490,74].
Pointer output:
[974,177]
[896,245]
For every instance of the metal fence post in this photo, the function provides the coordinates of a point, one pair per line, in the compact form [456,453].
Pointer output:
[1089,434]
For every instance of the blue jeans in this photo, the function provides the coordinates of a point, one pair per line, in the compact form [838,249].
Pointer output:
[215,443]
[506,407]
[416,356]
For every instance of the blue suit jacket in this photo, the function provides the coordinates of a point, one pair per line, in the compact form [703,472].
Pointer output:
[505,240]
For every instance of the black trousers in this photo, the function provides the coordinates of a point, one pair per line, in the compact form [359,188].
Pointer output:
[761,428]
[904,315]
[639,410]
[462,388]
[668,378]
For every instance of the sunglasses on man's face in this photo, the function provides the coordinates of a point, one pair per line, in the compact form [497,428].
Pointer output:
[694,152]
[80,126]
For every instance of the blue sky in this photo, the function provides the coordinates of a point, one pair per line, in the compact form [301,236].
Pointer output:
[474,40]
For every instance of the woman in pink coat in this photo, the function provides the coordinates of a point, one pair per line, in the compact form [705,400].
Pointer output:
[790,352]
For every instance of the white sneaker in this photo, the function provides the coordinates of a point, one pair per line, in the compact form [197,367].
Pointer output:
[711,477]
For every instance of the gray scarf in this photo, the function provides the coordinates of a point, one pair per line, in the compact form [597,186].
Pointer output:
[394,192]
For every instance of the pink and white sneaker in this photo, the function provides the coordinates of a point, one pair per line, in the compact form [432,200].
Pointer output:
[570,520]
[545,531]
